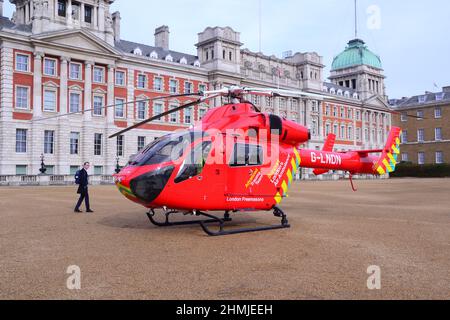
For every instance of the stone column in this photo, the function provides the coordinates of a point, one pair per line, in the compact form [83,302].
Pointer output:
[37,85]
[110,95]
[88,90]
[130,96]
[101,16]
[69,13]
[82,15]
[7,145]
[63,132]
[320,124]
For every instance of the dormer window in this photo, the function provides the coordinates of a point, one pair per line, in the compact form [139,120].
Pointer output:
[333,91]
[62,8]
[422,99]
[153,55]
[440,96]
[355,96]
[339,92]
[183,60]
[169,58]
[137,51]
[197,64]
[347,94]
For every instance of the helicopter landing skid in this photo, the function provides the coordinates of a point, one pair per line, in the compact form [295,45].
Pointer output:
[277,212]
[167,222]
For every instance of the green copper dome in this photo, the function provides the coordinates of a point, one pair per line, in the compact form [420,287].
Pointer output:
[356,54]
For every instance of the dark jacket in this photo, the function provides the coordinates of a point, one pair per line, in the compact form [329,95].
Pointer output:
[84,181]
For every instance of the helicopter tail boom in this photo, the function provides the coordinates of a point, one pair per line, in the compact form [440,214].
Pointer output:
[356,162]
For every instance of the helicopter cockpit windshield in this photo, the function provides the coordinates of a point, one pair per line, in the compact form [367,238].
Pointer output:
[166,149]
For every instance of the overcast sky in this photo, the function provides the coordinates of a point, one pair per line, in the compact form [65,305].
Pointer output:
[410,36]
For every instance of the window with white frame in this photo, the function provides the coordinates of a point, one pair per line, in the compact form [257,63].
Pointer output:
[98,141]
[142,81]
[98,105]
[21,140]
[358,115]
[420,115]
[99,75]
[75,71]
[187,87]
[158,84]
[358,134]
[201,113]
[74,142]
[141,110]
[439,157]
[335,129]
[120,146]
[22,97]
[188,115]
[404,117]
[50,67]
[141,143]
[158,108]
[22,62]
[405,157]
[202,87]
[74,102]
[366,134]
[327,110]
[342,132]
[119,108]
[421,157]
[173,117]
[49,141]
[405,136]
[49,100]
[350,133]
[120,78]
[327,129]
[420,135]
[173,86]
[334,112]
[438,134]
[438,113]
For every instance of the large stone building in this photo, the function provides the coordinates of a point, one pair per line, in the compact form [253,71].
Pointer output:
[64,56]
[426,135]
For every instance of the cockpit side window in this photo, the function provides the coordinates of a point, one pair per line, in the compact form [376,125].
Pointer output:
[247,155]
[195,162]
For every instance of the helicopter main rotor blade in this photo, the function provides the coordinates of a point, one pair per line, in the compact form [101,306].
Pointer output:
[159,116]
[120,104]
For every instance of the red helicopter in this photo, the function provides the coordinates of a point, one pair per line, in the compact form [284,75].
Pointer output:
[237,159]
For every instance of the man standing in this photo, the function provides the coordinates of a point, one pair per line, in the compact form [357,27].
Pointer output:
[82,179]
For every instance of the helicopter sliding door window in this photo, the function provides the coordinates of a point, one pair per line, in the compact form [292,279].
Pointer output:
[193,164]
[247,155]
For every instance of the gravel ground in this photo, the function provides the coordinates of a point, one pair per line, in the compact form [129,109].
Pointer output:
[402,226]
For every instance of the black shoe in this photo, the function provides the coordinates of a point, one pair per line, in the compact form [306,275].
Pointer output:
[77,211]
[89,211]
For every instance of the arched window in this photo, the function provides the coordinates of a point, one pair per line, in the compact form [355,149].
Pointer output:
[183,60]
[153,55]
[197,64]
[137,51]
[169,58]
[230,56]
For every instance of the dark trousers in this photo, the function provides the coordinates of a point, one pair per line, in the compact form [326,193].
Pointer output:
[84,195]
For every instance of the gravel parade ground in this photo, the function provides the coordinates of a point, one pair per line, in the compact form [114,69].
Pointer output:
[400,225]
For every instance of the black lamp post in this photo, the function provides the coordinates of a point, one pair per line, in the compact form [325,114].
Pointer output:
[117,165]
[43,169]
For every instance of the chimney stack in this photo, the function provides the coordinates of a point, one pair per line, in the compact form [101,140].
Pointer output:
[1,8]
[116,25]
[162,37]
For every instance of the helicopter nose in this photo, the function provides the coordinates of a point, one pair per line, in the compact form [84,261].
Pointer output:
[147,187]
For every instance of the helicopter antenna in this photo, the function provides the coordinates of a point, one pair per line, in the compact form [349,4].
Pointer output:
[260,26]
[356,19]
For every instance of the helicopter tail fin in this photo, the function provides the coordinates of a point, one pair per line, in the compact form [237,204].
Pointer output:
[389,157]
[328,147]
